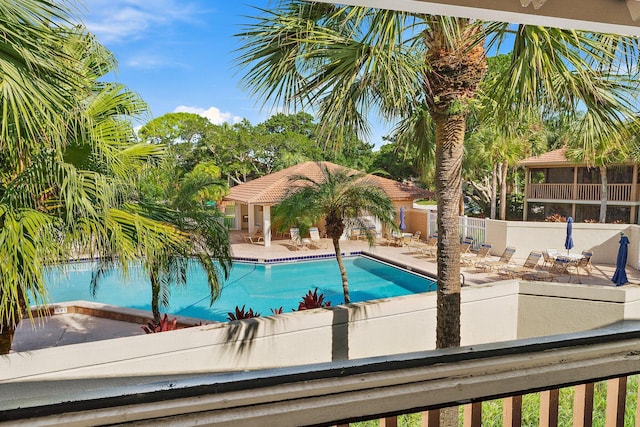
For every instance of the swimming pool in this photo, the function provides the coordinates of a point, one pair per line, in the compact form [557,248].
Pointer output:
[257,286]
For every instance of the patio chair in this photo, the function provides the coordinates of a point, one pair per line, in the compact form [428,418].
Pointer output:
[256,237]
[297,241]
[585,262]
[530,266]
[427,248]
[548,259]
[560,267]
[471,258]
[505,259]
[314,236]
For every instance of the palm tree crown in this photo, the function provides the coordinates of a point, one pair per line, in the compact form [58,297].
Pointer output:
[344,198]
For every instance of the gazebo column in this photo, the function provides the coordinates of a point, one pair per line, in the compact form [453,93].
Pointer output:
[252,218]
[266,226]
[237,220]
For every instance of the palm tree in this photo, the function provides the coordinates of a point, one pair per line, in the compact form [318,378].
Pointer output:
[587,146]
[343,61]
[343,198]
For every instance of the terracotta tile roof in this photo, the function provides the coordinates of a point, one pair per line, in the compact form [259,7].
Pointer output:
[271,189]
[555,157]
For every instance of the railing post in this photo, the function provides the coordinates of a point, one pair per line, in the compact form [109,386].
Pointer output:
[583,405]
[431,418]
[616,396]
[473,414]
[549,408]
[389,422]
[512,411]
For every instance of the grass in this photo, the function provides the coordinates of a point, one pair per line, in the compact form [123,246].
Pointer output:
[492,410]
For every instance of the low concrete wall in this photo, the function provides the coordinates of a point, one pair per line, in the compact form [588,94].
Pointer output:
[490,313]
[528,236]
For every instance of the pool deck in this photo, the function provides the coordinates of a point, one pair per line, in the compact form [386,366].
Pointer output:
[72,328]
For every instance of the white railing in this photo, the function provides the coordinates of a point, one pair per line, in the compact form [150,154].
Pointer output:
[475,228]
[591,192]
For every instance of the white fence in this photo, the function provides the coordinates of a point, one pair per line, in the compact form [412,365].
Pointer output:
[476,228]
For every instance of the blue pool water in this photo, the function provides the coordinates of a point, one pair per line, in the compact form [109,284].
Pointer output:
[257,286]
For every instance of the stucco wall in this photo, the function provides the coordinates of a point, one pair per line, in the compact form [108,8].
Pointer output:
[490,313]
[528,236]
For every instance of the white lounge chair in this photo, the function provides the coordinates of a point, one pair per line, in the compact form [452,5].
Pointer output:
[297,241]
[316,241]
[256,237]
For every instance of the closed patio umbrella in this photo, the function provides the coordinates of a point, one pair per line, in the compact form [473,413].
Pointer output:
[568,242]
[402,225]
[620,275]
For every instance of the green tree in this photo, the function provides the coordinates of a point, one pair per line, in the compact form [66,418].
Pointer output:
[345,60]
[343,199]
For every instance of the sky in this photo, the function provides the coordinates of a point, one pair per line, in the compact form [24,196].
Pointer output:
[178,54]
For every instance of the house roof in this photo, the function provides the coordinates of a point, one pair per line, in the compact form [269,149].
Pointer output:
[271,189]
[555,157]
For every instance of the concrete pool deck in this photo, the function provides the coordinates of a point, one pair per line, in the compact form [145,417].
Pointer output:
[72,328]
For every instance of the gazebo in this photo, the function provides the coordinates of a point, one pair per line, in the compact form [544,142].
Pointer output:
[254,199]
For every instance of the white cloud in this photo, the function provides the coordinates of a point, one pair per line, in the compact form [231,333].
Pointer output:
[214,114]
[122,20]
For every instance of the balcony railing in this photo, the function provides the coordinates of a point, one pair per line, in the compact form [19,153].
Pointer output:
[375,388]
[587,192]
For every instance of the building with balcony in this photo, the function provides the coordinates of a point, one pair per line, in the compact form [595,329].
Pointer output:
[556,185]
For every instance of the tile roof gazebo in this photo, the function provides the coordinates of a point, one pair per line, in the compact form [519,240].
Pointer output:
[254,198]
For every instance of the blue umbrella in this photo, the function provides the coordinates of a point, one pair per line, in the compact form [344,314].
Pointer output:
[568,242]
[402,226]
[620,275]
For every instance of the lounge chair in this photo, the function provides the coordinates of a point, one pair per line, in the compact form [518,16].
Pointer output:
[297,241]
[466,246]
[530,266]
[314,236]
[471,259]
[256,237]
[505,259]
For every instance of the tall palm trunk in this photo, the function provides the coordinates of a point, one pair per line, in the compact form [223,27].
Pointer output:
[449,149]
[494,189]
[603,194]
[503,190]
[154,278]
[343,270]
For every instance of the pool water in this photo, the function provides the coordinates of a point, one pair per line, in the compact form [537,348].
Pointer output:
[257,286]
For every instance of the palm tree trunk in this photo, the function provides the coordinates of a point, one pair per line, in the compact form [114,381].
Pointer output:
[343,270]
[155,295]
[494,190]
[603,194]
[449,149]
[6,338]
[503,191]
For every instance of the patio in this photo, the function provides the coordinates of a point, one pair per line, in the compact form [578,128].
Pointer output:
[601,274]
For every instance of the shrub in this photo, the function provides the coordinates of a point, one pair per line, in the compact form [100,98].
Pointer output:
[163,325]
[313,300]
[241,314]
[556,218]
[276,310]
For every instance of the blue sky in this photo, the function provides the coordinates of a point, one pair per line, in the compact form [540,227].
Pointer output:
[177,54]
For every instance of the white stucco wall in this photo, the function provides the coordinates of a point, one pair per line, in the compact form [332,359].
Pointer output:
[527,236]
[490,313]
